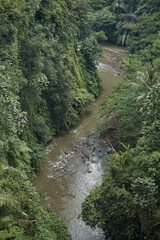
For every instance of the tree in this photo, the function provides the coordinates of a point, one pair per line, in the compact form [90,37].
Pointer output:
[125,206]
[105,20]
[146,80]
[21,215]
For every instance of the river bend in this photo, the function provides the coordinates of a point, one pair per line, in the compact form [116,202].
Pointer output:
[74,162]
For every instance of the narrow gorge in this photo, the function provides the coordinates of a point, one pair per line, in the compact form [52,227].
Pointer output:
[75,160]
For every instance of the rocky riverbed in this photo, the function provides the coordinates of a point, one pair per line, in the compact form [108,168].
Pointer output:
[90,151]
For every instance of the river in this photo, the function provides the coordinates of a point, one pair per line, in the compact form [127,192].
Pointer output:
[74,162]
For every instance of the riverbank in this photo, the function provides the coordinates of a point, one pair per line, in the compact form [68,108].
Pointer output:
[75,161]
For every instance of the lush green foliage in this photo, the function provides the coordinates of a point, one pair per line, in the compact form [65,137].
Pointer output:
[21,216]
[47,76]
[123,107]
[48,52]
[121,19]
[126,206]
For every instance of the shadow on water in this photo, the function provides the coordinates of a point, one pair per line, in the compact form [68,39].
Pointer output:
[74,161]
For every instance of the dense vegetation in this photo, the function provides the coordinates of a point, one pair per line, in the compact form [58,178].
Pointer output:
[127,204]
[47,76]
[48,50]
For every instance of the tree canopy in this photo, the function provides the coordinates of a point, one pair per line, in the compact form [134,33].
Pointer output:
[47,76]
[126,205]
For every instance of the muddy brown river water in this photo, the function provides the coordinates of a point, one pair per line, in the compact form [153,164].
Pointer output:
[75,160]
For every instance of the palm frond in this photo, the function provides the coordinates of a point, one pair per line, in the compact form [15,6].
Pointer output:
[135,86]
[140,97]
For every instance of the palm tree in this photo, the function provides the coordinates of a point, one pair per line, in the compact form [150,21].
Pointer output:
[125,24]
[126,18]
[146,80]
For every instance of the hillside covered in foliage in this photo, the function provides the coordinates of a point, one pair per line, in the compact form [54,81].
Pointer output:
[48,51]
[127,204]
[47,76]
